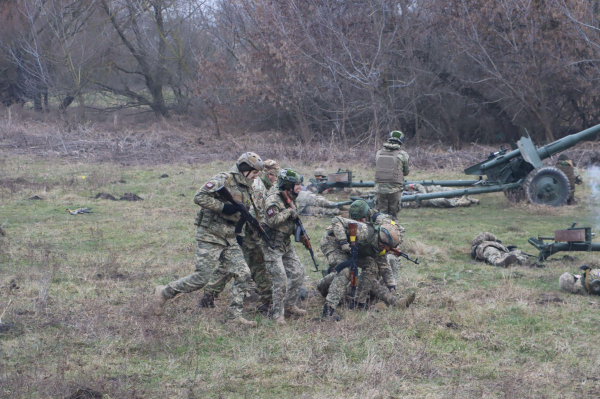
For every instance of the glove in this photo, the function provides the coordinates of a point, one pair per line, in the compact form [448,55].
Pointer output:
[293,215]
[392,287]
[345,246]
[230,209]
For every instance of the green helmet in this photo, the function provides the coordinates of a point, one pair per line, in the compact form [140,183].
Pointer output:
[358,210]
[288,178]
[396,137]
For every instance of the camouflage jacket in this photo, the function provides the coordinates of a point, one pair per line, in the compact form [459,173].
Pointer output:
[279,217]
[483,241]
[306,199]
[213,225]
[260,189]
[571,172]
[391,188]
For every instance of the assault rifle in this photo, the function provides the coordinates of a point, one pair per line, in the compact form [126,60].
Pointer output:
[301,235]
[352,231]
[246,218]
[397,252]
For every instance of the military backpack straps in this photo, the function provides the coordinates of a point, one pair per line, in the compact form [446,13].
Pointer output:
[387,169]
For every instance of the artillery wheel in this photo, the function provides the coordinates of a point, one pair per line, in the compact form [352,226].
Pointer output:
[547,186]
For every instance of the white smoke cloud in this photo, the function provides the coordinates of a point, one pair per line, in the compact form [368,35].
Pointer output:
[593,173]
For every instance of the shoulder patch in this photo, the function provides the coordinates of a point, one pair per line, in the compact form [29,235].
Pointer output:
[209,185]
[270,212]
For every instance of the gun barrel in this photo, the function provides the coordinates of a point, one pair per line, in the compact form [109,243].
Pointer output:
[460,193]
[546,238]
[544,152]
[443,183]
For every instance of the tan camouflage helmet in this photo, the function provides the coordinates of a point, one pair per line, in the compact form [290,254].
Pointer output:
[481,237]
[320,172]
[566,283]
[389,235]
[252,160]
[271,167]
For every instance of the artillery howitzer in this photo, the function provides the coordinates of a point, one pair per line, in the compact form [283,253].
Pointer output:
[571,239]
[520,173]
[344,179]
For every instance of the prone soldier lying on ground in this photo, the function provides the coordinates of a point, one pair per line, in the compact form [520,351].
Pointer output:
[589,283]
[371,240]
[436,202]
[217,248]
[316,205]
[488,248]
[251,247]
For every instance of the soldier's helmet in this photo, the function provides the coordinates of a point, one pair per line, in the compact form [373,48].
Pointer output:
[249,161]
[396,137]
[288,178]
[566,282]
[319,172]
[481,237]
[271,167]
[563,157]
[389,235]
[358,210]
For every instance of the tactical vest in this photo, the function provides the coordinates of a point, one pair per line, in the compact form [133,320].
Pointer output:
[387,169]
[364,246]
[569,171]
[480,249]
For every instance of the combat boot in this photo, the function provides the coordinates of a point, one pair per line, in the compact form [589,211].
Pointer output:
[264,309]
[464,201]
[207,301]
[295,311]
[158,301]
[280,320]
[406,302]
[328,314]
[509,260]
[244,322]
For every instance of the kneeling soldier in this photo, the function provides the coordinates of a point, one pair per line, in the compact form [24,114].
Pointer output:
[217,248]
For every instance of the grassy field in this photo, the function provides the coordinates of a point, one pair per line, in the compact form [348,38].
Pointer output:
[72,290]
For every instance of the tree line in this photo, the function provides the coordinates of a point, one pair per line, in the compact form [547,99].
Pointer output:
[347,71]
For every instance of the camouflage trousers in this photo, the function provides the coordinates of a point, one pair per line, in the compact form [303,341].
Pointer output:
[389,203]
[212,258]
[287,275]
[320,211]
[368,281]
[336,289]
[495,256]
[255,258]
[394,263]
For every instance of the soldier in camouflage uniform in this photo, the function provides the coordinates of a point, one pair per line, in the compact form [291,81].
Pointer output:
[486,247]
[437,202]
[376,278]
[316,205]
[589,283]
[283,264]
[566,165]
[217,249]
[321,175]
[251,247]
[391,168]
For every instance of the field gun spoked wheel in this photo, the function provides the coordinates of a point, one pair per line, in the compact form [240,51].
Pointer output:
[547,186]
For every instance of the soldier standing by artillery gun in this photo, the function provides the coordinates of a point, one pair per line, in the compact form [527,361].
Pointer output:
[391,167]
[565,164]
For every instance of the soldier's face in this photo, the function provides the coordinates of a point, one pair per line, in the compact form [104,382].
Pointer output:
[272,178]
[252,174]
[297,188]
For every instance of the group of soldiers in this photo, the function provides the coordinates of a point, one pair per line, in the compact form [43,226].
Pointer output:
[229,247]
